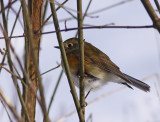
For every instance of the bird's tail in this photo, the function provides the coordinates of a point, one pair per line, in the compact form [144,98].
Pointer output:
[137,83]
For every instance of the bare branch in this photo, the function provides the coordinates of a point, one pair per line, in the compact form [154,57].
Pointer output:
[34,55]
[61,5]
[8,6]
[6,110]
[152,14]
[92,27]
[55,90]
[9,71]
[8,103]
[64,59]
[157,5]
[81,58]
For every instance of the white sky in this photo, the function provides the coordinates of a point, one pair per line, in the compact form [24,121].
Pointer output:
[135,51]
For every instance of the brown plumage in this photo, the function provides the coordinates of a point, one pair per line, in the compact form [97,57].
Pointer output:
[99,69]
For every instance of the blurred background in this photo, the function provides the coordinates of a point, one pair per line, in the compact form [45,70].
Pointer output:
[135,51]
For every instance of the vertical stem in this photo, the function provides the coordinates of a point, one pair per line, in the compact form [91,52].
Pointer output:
[28,96]
[81,60]
[33,23]
[45,10]
[25,87]
[85,13]
[5,32]
[64,59]
[4,17]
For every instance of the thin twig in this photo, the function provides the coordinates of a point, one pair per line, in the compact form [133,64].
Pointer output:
[7,40]
[6,110]
[8,103]
[87,9]
[110,7]
[71,9]
[10,36]
[19,76]
[13,76]
[9,71]
[50,70]
[157,5]
[93,27]
[61,5]
[17,14]
[55,90]
[90,117]
[25,74]
[8,11]
[45,10]
[8,6]
[66,10]
[100,10]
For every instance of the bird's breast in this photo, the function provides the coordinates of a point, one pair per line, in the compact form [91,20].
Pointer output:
[73,63]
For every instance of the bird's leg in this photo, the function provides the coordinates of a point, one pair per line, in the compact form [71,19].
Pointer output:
[88,93]
[86,97]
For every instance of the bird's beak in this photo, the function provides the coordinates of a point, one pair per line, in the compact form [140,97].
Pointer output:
[56,47]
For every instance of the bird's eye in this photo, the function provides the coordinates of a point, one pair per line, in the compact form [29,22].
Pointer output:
[70,45]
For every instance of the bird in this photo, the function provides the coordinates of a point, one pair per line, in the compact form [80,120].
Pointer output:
[98,67]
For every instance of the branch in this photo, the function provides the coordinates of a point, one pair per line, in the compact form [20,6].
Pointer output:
[7,40]
[1,66]
[50,70]
[8,103]
[10,36]
[14,76]
[85,13]
[100,10]
[55,90]
[34,60]
[92,27]
[157,5]
[6,110]
[64,59]
[44,22]
[8,6]
[150,10]
[81,59]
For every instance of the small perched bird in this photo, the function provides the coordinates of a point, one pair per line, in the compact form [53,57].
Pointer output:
[99,69]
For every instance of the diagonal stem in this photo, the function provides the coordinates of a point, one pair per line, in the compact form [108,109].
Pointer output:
[151,12]
[64,59]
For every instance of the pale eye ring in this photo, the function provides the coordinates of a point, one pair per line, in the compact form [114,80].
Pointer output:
[70,45]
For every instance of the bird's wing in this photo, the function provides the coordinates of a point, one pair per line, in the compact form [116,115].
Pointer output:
[98,58]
